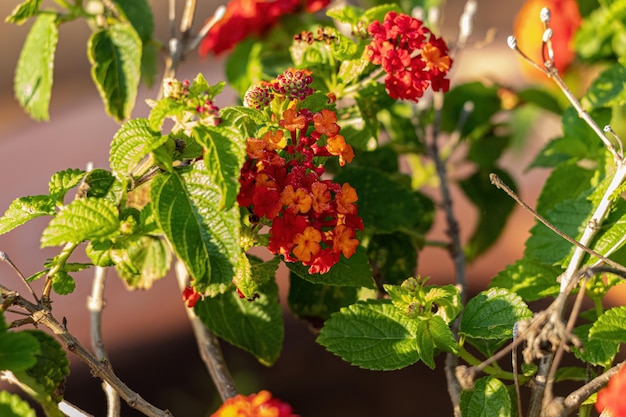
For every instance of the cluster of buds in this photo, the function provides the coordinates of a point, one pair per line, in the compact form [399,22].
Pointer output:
[411,55]
[312,220]
[292,84]
[200,107]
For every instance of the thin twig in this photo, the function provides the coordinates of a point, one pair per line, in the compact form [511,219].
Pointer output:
[208,345]
[95,305]
[5,257]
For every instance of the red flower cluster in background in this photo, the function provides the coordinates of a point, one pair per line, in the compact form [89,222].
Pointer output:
[313,220]
[612,397]
[411,55]
[254,405]
[251,17]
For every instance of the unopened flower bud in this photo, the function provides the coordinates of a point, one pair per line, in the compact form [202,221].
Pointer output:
[511,41]
[545,15]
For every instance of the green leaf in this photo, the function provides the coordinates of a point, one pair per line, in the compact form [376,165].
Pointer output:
[432,335]
[579,180]
[63,283]
[224,154]
[150,62]
[493,206]
[385,203]
[540,98]
[34,72]
[394,256]
[114,54]
[348,14]
[139,13]
[607,89]
[11,405]
[204,237]
[142,261]
[255,326]
[594,351]
[243,67]
[486,150]
[63,181]
[352,272]
[18,350]
[133,141]
[492,314]
[373,335]
[316,302]
[24,209]
[102,184]
[244,119]
[610,326]
[486,104]
[23,11]
[489,398]
[83,219]
[529,279]
[47,377]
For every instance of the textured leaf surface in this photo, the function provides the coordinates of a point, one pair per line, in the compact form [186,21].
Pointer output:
[255,326]
[595,351]
[24,209]
[610,326]
[83,219]
[134,140]
[492,314]
[115,56]
[204,237]
[489,398]
[34,72]
[316,302]
[553,192]
[11,405]
[18,351]
[529,279]
[23,11]
[433,335]
[607,90]
[395,256]
[373,335]
[63,181]
[143,261]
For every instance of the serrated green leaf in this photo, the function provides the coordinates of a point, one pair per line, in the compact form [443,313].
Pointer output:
[204,237]
[316,302]
[579,179]
[594,351]
[433,335]
[24,209]
[11,405]
[244,119]
[63,181]
[529,279]
[610,326]
[385,203]
[139,13]
[493,206]
[47,377]
[373,335]
[352,272]
[607,89]
[492,314]
[489,398]
[394,256]
[133,141]
[18,350]
[114,54]
[255,326]
[83,219]
[63,283]
[224,154]
[142,261]
[200,88]
[34,72]
[23,11]
[347,14]
[102,184]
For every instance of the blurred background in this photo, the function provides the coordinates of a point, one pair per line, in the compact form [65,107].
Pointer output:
[146,333]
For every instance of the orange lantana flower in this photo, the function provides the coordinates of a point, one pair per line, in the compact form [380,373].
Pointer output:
[307,244]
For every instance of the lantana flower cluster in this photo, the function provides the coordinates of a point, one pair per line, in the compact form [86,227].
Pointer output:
[254,405]
[251,17]
[201,108]
[312,220]
[411,55]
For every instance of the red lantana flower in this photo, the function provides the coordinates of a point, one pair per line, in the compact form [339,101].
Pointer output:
[254,405]
[411,55]
[612,397]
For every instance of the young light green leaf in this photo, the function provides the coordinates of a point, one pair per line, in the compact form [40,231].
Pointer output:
[594,351]
[607,90]
[133,141]
[489,398]
[83,219]
[24,209]
[23,11]
[493,206]
[373,335]
[492,314]
[255,326]
[142,261]
[529,279]
[244,119]
[11,405]
[34,72]
[224,154]
[352,272]
[47,377]
[433,335]
[610,326]
[204,237]
[114,54]
[63,181]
